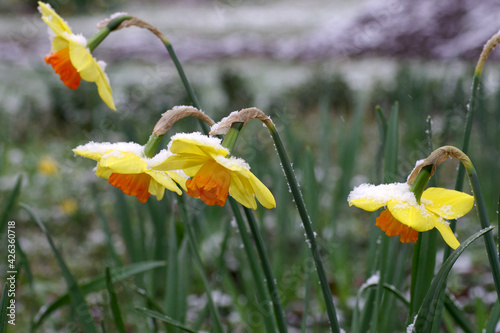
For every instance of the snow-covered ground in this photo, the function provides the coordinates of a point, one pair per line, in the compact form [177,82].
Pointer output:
[275,44]
[283,29]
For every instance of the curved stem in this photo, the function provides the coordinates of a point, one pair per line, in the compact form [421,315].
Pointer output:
[485,223]
[134,21]
[229,142]
[114,24]
[310,234]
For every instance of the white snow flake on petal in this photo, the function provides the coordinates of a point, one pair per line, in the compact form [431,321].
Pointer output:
[102,65]
[77,38]
[381,194]
[232,163]
[103,147]
[114,153]
[198,137]
[159,158]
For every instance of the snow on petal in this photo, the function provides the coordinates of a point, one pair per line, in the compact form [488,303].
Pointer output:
[449,204]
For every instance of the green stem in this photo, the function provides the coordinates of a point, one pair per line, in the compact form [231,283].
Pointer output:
[184,79]
[232,135]
[310,234]
[488,47]
[152,145]
[485,223]
[268,272]
[468,129]
[229,142]
[418,185]
[95,40]
[215,313]
[262,295]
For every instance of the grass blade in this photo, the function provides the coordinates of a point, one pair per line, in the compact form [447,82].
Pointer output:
[382,128]
[4,301]
[262,296]
[162,317]
[99,283]
[77,299]
[105,227]
[387,244]
[391,146]
[268,272]
[113,300]
[24,263]
[459,315]
[123,215]
[425,316]
[399,295]
[11,202]
[172,280]
[197,258]
[159,217]
[493,319]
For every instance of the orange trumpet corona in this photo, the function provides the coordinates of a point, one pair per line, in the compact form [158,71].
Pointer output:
[61,63]
[132,184]
[393,227]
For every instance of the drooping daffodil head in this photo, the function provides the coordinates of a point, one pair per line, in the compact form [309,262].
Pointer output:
[71,59]
[214,173]
[127,168]
[405,216]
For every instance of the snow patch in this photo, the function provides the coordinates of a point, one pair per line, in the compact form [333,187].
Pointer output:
[383,193]
[200,139]
[105,147]
[232,163]
[77,38]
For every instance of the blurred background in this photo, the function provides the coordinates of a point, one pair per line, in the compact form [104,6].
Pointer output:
[317,67]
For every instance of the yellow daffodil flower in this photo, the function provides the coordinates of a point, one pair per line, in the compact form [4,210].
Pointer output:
[405,216]
[70,57]
[126,167]
[47,166]
[68,206]
[215,175]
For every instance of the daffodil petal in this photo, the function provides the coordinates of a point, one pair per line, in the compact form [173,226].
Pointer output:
[447,234]
[369,205]
[449,204]
[90,71]
[96,150]
[262,193]
[123,162]
[59,42]
[103,172]
[184,144]
[179,179]
[83,61]
[164,179]
[234,164]
[104,89]
[239,190]
[53,20]
[182,161]
[416,217]
[89,154]
[156,189]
